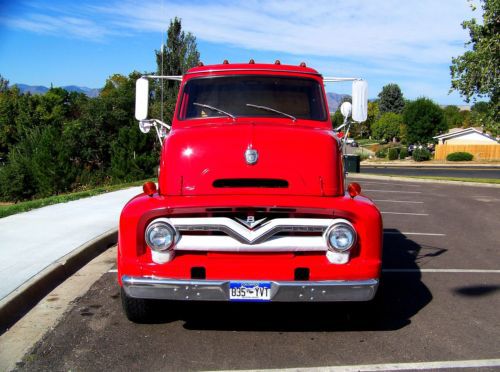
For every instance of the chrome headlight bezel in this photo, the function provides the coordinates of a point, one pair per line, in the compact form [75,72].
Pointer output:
[345,226]
[161,225]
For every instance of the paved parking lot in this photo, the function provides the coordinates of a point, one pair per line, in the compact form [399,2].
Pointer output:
[438,304]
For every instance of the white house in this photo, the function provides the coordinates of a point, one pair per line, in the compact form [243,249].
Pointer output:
[469,136]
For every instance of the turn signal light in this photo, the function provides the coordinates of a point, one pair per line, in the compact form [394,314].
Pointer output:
[149,188]
[354,189]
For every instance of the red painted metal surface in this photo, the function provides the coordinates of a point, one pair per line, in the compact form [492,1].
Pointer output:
[201,154]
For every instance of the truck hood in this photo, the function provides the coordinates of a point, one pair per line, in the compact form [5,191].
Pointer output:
[210,160]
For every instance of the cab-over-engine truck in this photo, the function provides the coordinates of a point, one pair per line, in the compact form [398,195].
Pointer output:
[251,203]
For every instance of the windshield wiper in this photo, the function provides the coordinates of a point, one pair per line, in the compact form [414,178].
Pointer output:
[215,109]
[273,110]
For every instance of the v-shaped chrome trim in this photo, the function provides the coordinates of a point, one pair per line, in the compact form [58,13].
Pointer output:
[248,235]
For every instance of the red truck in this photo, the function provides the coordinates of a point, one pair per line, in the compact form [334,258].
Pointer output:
[251,203]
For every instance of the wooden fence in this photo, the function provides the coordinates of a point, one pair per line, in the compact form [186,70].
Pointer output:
[480,152]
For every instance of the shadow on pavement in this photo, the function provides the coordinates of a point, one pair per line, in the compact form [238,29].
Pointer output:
[477,290]
[400,296]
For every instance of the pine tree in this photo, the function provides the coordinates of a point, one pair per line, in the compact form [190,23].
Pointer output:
[391,99]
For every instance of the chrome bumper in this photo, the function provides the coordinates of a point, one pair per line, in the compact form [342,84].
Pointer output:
[215,290]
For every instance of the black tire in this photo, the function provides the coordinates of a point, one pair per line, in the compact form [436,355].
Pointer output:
[137,310]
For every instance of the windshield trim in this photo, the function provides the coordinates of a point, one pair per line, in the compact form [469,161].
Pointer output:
[322,97]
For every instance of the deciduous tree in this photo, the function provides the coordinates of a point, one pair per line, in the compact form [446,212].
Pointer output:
[476,72]
[424,119]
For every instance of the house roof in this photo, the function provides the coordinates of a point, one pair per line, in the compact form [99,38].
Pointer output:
[454,134]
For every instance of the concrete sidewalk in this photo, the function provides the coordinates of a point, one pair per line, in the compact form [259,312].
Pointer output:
[31,241]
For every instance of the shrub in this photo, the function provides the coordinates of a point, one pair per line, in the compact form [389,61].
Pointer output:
[382,153]
[393,153]
[403,153]
[421,154]
[362,155]
[459,156]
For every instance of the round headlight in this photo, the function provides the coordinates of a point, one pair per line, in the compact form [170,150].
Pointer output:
[341,237]
[160,235]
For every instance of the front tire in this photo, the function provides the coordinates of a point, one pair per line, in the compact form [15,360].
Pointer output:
[137,310]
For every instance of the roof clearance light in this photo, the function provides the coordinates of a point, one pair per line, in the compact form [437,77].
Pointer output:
[277,62]
[251,62]
[303,64]
[149,188]
[354,189]
[226,62]
[200,64]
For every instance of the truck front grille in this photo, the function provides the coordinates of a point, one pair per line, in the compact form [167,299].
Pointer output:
[228,234]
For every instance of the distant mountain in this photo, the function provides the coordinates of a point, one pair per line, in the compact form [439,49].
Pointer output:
[38,89]
[334,100]
[33,89]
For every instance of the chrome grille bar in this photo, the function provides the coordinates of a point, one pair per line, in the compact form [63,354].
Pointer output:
[247,236]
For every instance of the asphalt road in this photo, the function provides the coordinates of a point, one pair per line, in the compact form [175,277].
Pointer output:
[436,171]
[439,301]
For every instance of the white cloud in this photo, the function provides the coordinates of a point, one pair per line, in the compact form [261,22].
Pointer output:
[426,31]
[387,39]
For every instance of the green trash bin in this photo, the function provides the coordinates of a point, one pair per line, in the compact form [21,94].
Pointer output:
[351,163]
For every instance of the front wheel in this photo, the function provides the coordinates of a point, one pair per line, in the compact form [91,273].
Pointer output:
[137,310]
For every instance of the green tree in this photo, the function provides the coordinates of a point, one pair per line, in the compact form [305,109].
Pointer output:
[388,126]
[452,116]
[424,119]
[179,55]
[391,99]
[337,119]
[8,112]
[4,84]
[373,114]
[476,72]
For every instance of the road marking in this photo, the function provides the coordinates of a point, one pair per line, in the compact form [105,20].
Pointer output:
[411,233]
[406,213]
[476,271]
[398,201]
[393,191]
[389,184]
[113,271]
[397,366]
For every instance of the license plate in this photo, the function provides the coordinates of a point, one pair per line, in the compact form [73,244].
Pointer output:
[250,291]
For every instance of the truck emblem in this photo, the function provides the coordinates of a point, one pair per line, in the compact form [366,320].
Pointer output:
[251,156]
[250,222]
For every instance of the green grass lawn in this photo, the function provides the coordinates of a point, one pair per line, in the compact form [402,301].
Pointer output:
[7,209]
[366,142]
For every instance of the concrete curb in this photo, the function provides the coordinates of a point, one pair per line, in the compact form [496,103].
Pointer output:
[421,180]
[21,300]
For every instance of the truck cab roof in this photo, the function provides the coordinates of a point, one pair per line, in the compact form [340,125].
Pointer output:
[267,68]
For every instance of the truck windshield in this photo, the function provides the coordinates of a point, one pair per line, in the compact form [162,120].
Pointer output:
[246,95]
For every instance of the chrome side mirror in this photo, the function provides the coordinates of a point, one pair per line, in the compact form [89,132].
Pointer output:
[359,100]
[141,98]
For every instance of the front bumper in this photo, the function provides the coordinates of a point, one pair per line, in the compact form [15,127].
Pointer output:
[281,291]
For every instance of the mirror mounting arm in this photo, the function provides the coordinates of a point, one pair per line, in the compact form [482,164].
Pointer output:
[162,129]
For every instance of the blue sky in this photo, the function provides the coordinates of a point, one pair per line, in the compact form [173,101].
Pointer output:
[410,43]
